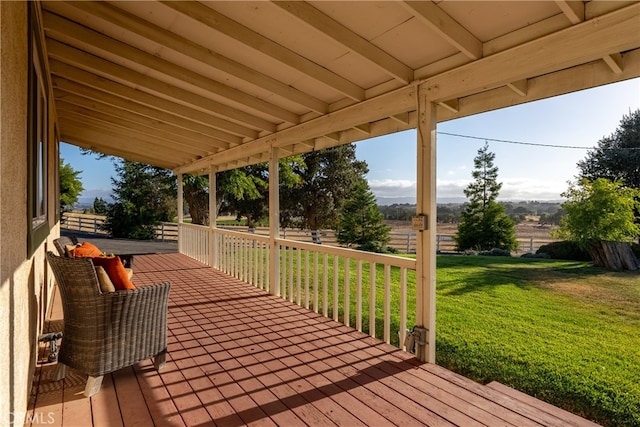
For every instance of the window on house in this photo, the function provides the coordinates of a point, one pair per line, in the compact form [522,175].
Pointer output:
[37,143]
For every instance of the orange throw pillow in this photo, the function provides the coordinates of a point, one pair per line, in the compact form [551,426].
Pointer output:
[86,249]
[116,272]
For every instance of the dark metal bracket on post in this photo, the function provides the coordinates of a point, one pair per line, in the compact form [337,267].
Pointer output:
[415,337]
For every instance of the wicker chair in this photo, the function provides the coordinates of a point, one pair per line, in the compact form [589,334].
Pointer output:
[104,332]
[61,242]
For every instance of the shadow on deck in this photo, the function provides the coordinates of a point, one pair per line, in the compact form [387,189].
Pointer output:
[239,356]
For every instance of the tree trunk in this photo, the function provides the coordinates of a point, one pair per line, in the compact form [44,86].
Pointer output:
[614,255]
[198,202]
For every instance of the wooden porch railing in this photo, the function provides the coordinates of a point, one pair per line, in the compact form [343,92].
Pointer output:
[339,283]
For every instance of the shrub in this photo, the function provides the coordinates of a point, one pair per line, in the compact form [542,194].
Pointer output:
[542,255]
[564,250]
[635,247]
[495,252]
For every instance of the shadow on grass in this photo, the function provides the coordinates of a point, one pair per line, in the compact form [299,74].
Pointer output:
[459,275]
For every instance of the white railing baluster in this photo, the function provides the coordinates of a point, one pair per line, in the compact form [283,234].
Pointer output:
[359,296]
[403,307]
[283,272]
[325,286]
[306,279]
[291,255]
[347,290]
[387,303]
[299,278]
[372,299]
[315,282]
[336,268]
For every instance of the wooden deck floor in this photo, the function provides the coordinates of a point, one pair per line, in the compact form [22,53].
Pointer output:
[238,356]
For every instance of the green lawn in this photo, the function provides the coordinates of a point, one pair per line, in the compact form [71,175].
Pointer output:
[562,331]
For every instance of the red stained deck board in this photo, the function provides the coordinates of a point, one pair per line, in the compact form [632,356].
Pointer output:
[239,356]
[104,405]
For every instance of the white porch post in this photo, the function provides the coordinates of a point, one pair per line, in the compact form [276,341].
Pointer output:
[274,223]
[426,239]
[213,214]
[180,208]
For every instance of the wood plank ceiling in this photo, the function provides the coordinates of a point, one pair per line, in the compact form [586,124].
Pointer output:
[185,85]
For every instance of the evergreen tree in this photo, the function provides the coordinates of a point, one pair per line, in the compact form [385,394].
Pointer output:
[484,225]
[144,196]
[617,157]
[99,206]
[70,185]
[361,224]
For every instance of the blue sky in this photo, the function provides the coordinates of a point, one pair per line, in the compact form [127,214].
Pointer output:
[527,172]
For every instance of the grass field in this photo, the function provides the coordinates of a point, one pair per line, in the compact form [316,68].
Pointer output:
[562,331]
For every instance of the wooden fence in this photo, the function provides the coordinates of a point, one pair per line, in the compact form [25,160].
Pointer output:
[87,223]
[404,241]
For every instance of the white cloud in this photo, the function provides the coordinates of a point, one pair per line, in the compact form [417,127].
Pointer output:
[512,189]
[393,187]
[531,189]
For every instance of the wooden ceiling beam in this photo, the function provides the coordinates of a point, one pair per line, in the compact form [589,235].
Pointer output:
[343,35]
[75,74]
[364,128]
[592,74]
[452,105]
[99,66]
[175,136]
[520,87]
[573,10]
[614,61]
[66,89]
[110,150]
[218,22]
[67,31]
[113,127]
[390,104]
[578,44]
[128,148]
[445,26]
[162,37]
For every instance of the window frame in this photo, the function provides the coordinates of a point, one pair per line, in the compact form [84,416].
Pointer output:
[37,139]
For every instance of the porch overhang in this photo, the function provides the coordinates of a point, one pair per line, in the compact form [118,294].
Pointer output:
[187,85]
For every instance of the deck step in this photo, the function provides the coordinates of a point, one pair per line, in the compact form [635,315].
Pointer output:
[565,417]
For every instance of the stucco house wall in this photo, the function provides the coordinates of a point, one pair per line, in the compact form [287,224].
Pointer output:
[25,282]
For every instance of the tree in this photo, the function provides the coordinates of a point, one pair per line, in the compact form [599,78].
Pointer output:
[617,157]
[196,195]
[327,179]
[70,185]
[361,224]
[144,196]
[99,206]
[600,218]
[484,225]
